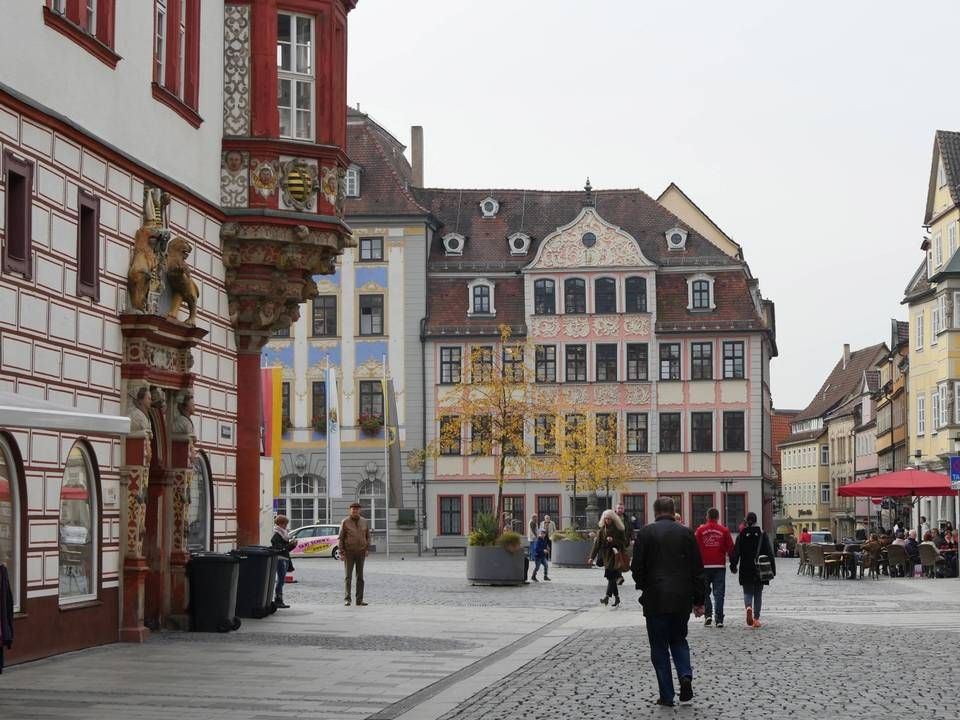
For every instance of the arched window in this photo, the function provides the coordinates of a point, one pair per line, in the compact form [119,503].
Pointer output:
[79,528]
[636,295]
[544,298]
[304,498]
[605,295]
[198,512]
[574,296]
[372,497]
[10,519]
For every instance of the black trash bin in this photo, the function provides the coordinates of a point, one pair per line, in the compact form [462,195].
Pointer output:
[258,579]
[213,592]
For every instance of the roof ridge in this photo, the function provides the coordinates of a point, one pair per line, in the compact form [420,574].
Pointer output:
[401,183]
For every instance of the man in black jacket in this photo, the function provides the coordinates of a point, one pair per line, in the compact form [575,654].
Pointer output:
[668,569]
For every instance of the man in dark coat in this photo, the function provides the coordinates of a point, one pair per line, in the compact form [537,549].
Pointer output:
[667,568]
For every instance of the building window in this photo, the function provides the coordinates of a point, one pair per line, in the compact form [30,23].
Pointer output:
[637,361]
[514,511]
[700,504]
[944,403]
[734,510]
[574,296]
[956,403]
[733,439]
[306,500]
[545,435]
[606,431]
[919,325]
[10,519]
[511,444]
[480,293]
[513,369]
[938,249]
[198,513]
[635,508]
[670,361]
[637,439]
[17,244]
[606,363]
[480,505]
[319,402]
[934,409]
[481,435]
[956,310]
[701,424]
[372,497]
[544,297]
[295,76]
[285,421]
[549,505]
[951,239]
[636,295]
[701,361]
[352,181]
[482,364]
[825,493]
[325,316]
[921,419]
[733,360]
[546,362]
[79,529]
[450,435]
[576,363]
[89,23]
[824,454]
[283,332]
[371,249]
[700,293]
[371,314]
[88,245]
[176,50]
[450,514]
[670,432]
[605,295]
[450,359]
[572,436]
[371,398]
[941,174]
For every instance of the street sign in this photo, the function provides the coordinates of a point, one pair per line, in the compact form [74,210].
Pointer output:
[955,472]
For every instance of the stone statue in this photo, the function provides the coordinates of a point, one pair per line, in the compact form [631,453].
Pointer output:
[157,398]
[143,265]
[183,289]
[182,424]
[139,406]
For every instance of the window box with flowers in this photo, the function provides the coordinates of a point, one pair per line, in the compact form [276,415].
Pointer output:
[286,425]
[320,424]
[370,424]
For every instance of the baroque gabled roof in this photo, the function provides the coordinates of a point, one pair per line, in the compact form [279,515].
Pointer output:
[946,146]
[919,286]
[842,381]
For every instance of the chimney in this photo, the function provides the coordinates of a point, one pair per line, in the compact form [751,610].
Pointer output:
[846,355]
[416,154]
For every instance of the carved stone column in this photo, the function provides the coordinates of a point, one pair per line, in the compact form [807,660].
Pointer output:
[180,476]
[134,476]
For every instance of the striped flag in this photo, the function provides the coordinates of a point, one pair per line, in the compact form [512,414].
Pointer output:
[334,477]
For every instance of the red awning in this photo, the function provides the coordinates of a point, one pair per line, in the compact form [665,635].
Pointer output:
[902,483]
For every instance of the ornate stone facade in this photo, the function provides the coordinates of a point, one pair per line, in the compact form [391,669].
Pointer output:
[613,247]
[236,70]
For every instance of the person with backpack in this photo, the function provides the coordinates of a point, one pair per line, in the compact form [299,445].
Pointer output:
[716,547]
[753,553]
[540,554]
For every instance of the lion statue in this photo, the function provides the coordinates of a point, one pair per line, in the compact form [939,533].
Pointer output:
[142,266]
[183,289]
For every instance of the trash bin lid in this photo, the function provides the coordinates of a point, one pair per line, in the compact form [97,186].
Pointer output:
[254,550]
[212,558]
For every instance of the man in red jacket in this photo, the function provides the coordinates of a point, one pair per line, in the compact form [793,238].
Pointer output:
[716,547]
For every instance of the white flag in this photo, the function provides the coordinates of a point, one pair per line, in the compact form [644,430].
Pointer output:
[334,479]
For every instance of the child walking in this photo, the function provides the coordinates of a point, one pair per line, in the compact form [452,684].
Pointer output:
[540,555]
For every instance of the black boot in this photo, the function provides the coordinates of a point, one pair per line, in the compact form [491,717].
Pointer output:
[280,602]
[616,600]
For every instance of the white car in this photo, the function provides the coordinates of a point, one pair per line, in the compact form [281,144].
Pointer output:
[316,541]
[821,537]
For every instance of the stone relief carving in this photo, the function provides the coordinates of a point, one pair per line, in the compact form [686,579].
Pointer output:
[143,267]
[330,184]
[642,464]
[638,394]
[576,327]
[545,327]
[325,287]
[371,286]
[139,401]
[157,398]
[613,247]
[370,368]
[265,176]
[298,185]
[576,395]
[182,424]
[183,289]
[233,178]
[608,325]
[236,70]
[637,325]
[606,394]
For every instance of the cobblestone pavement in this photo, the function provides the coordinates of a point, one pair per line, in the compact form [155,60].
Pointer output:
[430,645]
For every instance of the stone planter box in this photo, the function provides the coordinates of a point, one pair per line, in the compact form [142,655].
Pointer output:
[494,566]
[571,553]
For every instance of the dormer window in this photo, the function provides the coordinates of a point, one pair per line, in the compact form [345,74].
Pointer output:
[352,182]
[519,243]
[941,174]
[453,244]
[676,238]
[489,207]
[480,297]
[700,296]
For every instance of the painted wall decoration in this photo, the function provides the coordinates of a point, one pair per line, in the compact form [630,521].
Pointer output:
[637,325]
[608,245]
[544,327]
[638,394]
[236,70]
[264,176]
[606,325]
[576,327]
[233,178]
[298,185]
[330,184]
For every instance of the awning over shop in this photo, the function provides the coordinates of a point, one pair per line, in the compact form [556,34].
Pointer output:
[901,483]
[21,411]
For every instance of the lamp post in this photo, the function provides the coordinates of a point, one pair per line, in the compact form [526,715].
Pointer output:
[726,491]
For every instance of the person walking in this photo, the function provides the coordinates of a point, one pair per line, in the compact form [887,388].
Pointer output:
[550,527]
[354,545]
[668,571]
[281,542]
[752,542]
[716,548]
[629,529]
[610,546]
[540,556]
[533,532]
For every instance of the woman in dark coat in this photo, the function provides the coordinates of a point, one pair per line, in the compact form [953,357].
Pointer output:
[609,545]
[752,542]
[282,543]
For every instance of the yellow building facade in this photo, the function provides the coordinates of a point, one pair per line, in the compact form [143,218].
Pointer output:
[805,468]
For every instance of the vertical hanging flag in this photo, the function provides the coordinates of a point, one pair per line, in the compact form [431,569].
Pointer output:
[334,478]
[393,440]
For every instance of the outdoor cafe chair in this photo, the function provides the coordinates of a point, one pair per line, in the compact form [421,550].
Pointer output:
[898,561]
[871,561]
[929,558]
[804,565]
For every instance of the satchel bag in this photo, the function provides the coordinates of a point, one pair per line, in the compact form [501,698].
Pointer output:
[622,562]
[763,564]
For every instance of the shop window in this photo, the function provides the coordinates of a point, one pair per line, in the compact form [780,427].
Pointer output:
[10,519]
[198,512]
[79,528]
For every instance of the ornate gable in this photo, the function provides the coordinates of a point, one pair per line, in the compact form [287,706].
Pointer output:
[588,242]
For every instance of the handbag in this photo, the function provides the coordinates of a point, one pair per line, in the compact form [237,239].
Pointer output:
[623,562]
[763,564]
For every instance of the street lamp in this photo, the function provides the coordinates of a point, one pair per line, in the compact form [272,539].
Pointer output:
[726,491]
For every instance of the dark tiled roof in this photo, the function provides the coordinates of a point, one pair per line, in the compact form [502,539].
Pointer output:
[842,381]
[952,268]
[449,304]
[735,308]
[872,378]
[538,213]
[385,174]
[902,329]
[918,285]
[805,436]
[946,145]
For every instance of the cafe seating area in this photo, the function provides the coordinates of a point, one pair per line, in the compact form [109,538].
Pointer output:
[875,559]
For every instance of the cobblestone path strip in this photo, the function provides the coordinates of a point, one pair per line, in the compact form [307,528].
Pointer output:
[374,643]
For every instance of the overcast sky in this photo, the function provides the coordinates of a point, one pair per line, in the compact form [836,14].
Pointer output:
[803,129]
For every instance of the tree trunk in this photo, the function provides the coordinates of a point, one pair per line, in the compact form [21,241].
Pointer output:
[499,510]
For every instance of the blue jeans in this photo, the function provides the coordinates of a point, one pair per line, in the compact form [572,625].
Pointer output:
[281,576]
[753,597]
[717,582]
[546,567]
[668,636]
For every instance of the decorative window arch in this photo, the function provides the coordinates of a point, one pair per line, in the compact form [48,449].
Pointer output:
[200,509]
[519,243]
[453,243]
[605,295]
[700,296]
[636,294]
[544,297]
[79,527]
[480,297]
[10,506]
[372,496]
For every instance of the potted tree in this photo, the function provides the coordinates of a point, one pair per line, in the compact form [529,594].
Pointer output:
[571,548]
[492,558]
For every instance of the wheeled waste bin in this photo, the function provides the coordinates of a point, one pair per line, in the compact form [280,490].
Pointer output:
[213,592]
[258,580]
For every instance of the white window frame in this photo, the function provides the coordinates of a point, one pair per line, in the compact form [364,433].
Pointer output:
[943,420]
[956,403]
[375,491]
[295,78]
[934,323]
[824,493]
[942,311]
[91,20]
[352,182]
[182,49]
[956,310]
[935,408]
[929,264]
[941,174]
[712,305]
[938,249]
[160,41]
[921,417]
[951,239]
[918,320]
[824,454]
[93,483]
[16,574]
[477,283]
